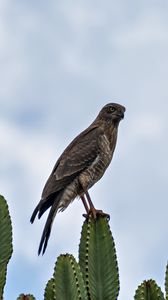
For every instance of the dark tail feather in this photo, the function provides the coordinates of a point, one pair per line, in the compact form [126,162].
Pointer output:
[42,206]
[47,203]
[53,200]
[47,228]
[35,213]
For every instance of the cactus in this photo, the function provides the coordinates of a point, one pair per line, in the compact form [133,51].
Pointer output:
[49,292]
[97,259]
[166,283]
[69,283]
[149,290]
[5,242]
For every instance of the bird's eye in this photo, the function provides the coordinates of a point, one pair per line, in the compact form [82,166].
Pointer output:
[111,109]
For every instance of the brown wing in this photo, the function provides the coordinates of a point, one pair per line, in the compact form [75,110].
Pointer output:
[80,153]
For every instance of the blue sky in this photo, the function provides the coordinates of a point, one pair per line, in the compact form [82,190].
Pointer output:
[60,62]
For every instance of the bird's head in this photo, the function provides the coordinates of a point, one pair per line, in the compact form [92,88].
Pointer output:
[112,113]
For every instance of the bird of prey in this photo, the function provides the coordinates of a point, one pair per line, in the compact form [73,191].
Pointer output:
[79,167]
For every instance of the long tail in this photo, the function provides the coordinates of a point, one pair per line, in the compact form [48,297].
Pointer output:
[43,205]
[47,228]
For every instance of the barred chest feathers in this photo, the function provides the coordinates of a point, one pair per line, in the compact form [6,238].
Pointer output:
[96,170]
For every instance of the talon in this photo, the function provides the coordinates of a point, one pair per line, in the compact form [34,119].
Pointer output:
[95,213]
[102,214]
[86,216]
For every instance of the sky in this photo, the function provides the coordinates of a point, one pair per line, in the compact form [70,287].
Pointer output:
[60,62]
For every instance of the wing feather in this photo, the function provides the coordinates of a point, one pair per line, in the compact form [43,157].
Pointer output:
[80,153]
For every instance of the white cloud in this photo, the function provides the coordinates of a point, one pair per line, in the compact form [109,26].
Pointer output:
[148,126]
[26,156]
[24,147]
[80,17]
[147,29]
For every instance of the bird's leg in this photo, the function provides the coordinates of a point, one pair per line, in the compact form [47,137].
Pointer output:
[92,208]
[85,204]
[95,212]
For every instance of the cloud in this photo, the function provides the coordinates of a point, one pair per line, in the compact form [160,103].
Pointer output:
[146,29]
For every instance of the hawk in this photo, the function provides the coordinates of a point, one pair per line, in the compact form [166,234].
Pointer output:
[79,167]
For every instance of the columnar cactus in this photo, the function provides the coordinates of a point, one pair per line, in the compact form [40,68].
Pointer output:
[98,261]
[149,290]
[5,242]
[166,283]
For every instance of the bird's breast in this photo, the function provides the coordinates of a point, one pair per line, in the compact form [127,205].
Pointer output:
[102,160]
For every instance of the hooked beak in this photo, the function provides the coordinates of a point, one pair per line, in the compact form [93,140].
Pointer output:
[120,115]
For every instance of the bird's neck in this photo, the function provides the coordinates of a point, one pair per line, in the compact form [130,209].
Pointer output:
[111,131]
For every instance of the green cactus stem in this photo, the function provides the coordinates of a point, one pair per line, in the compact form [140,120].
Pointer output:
[97,259]
[166,283]
[69,283]
[148,290]
[5,242]
[49,293]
